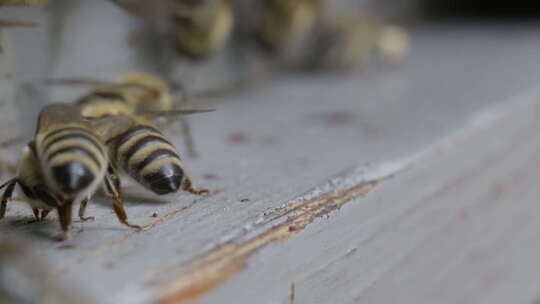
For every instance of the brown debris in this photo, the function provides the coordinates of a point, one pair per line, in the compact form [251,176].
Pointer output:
[238,138]
[335,118]
[210,176]
[65,246]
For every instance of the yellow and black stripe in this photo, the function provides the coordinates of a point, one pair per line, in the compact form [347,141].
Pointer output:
[73,156]
[105,101]
[144,153]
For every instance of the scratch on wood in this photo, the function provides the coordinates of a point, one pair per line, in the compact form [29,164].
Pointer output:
[292,294]
[216,266]
[102,248]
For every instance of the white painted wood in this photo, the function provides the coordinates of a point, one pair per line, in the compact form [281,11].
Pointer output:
[454,127]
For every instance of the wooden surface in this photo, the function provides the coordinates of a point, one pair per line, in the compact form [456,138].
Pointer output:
[414,184]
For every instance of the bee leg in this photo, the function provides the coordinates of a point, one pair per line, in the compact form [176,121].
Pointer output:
[82,209]
[188,137]
[187,185]
[37,216]
[184,123]
[64,214]
[117,202]
[10,185]
[44,214]
[116,181]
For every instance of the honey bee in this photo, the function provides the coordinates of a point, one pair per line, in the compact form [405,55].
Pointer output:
[309,34]
[63,165]
[278,27]
[141,93]
[348,42]
[344,43]
[132,93]
[284,22]
[142,152]
[201,28]
[196,28]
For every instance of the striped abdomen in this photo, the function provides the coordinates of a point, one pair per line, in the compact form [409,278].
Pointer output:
[105,102]
[73,158]
[144,153]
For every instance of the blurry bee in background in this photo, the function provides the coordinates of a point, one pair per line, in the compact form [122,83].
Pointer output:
[199,28]
[177,32]
[132,93]
[194,29]
[346,43]
[284,23]
[393,45]
[140,150]
[279,28]
[64,164]
[321,34]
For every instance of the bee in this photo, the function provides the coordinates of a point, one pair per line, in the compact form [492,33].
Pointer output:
[142,152]
[141,93]
[344,43]
[284,22]
[200,28]
[63,165]
[132,93]
[393,44]
[195,28]
[149,158]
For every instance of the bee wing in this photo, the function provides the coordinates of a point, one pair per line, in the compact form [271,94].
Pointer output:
[78,81]
[54,115]
[173,112]
[108,127]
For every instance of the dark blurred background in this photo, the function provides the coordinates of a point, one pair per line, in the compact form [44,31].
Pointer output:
[480,9]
